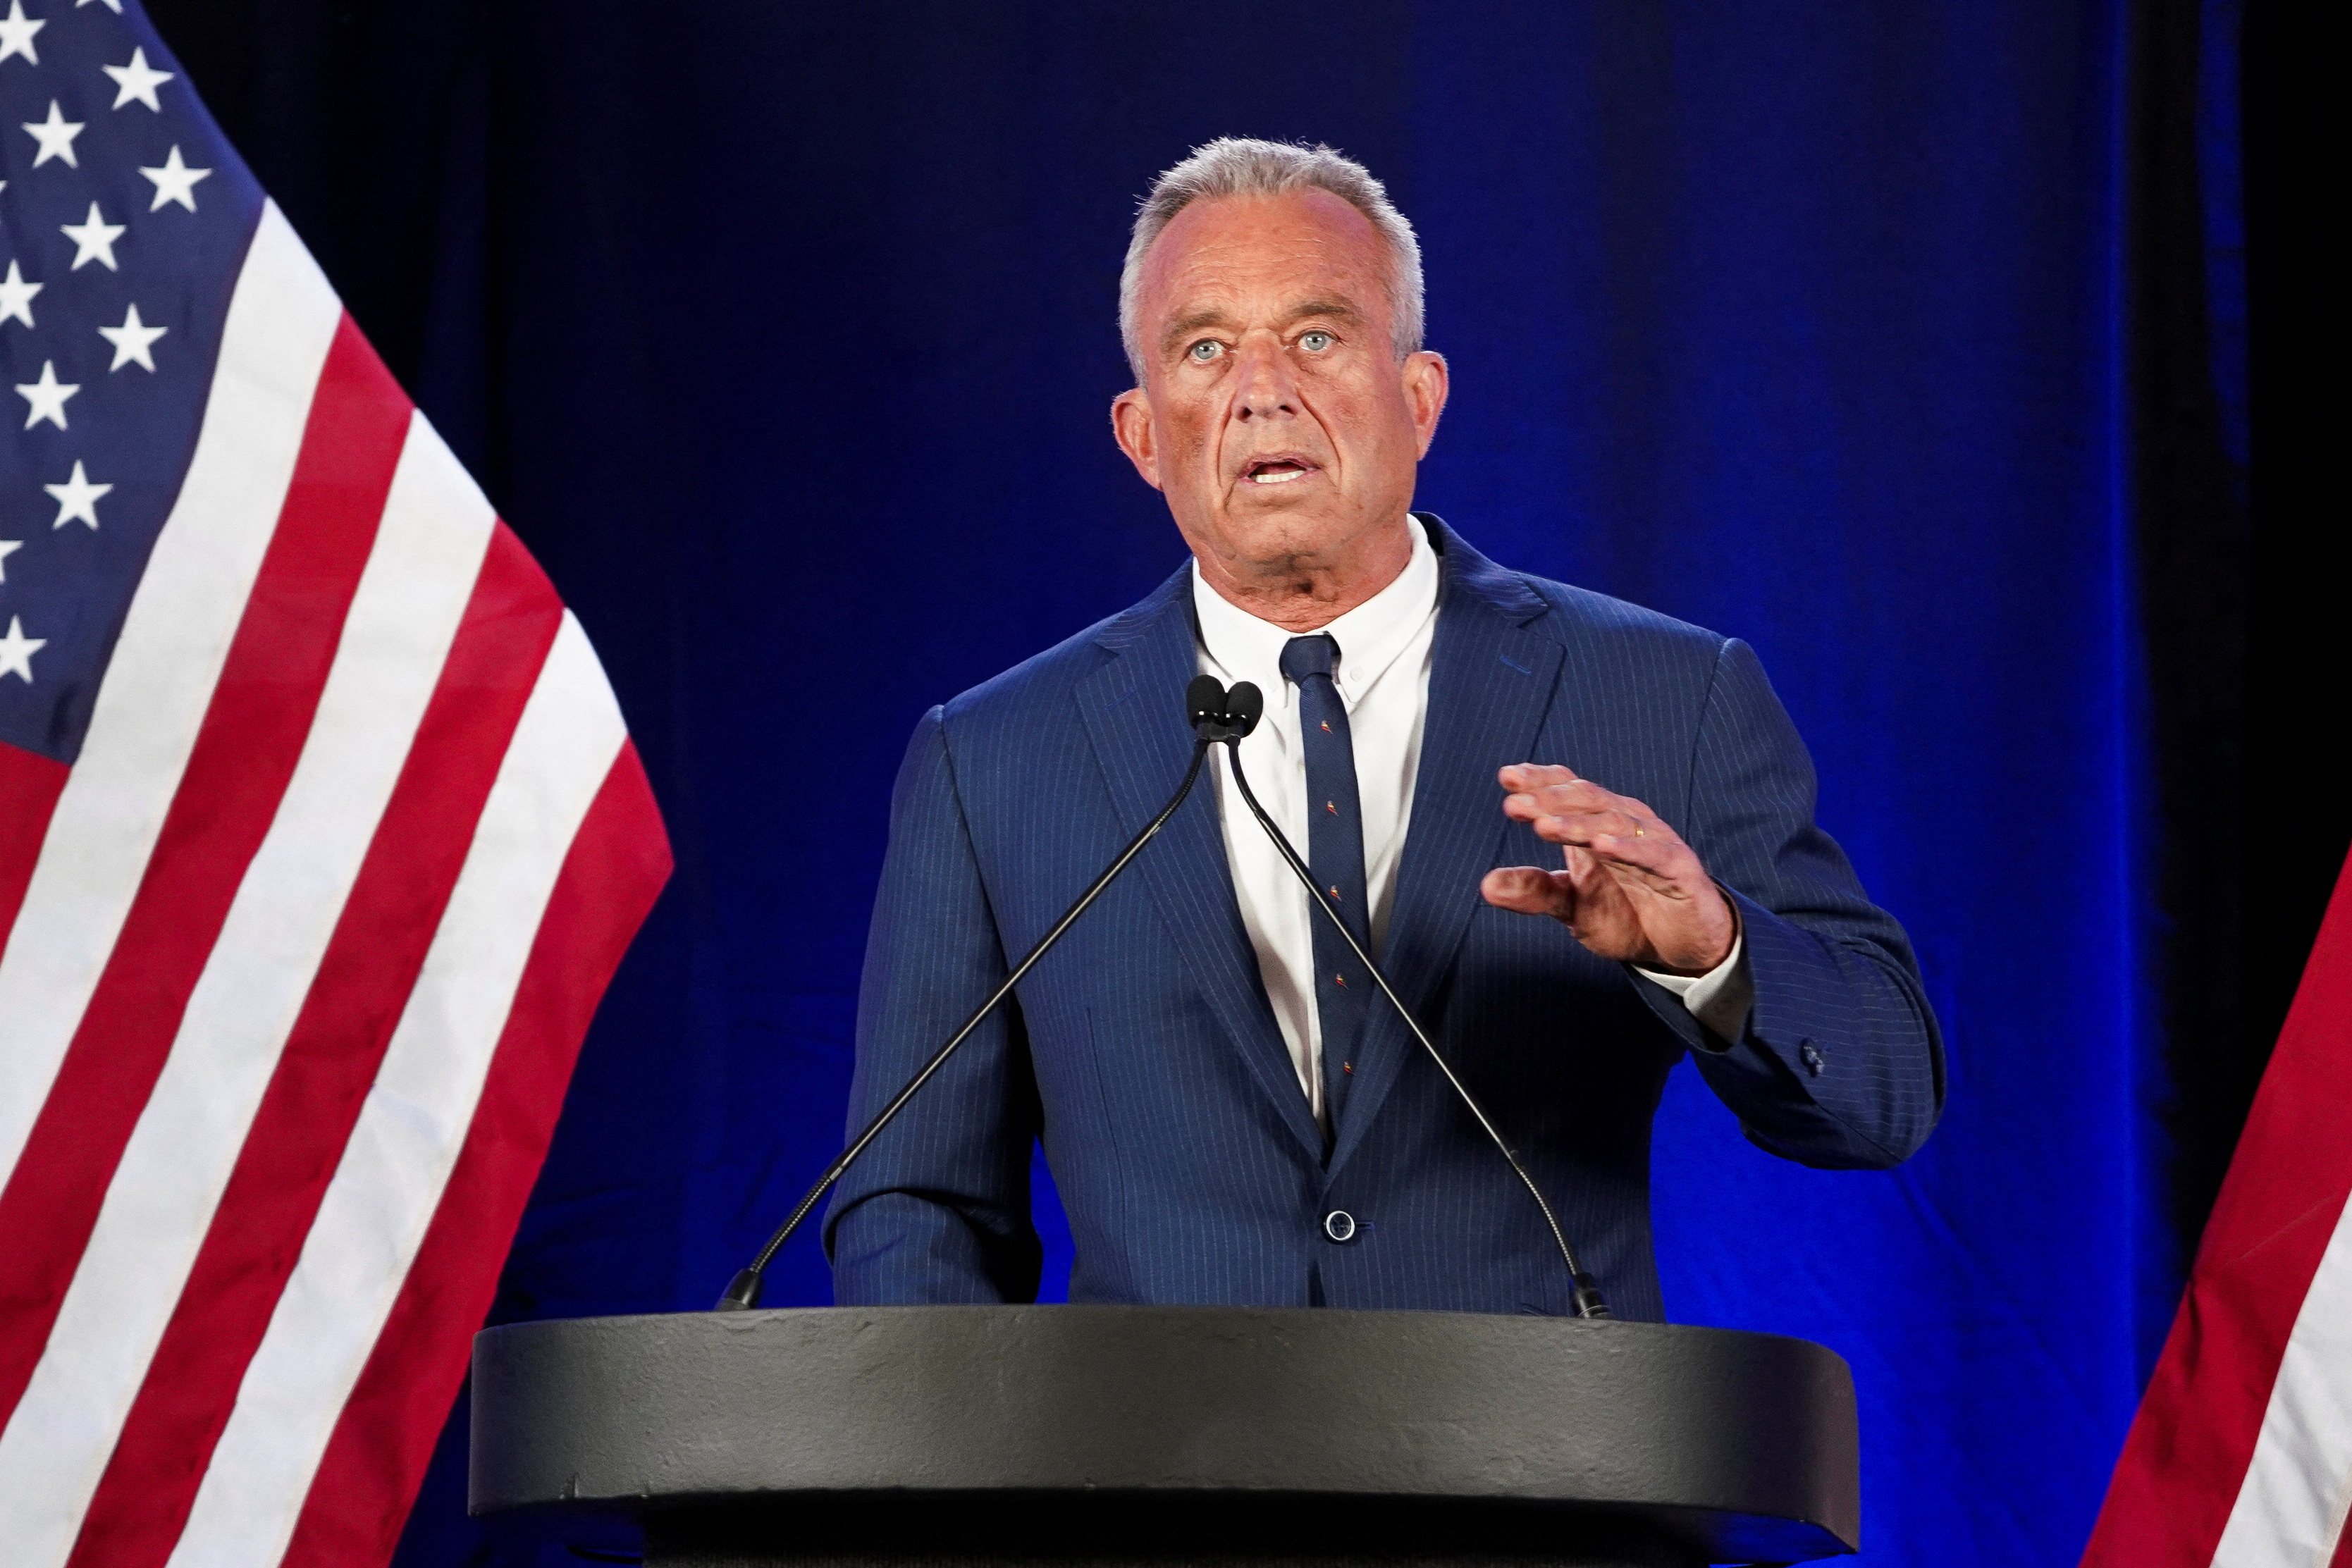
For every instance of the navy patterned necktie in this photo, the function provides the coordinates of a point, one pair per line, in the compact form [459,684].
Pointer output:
[1335,853]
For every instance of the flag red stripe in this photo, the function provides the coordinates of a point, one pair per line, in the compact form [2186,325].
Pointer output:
[376,1458]
[330,1058]
[2190,1443]
[246,750]
[2343,1555]
[29,787]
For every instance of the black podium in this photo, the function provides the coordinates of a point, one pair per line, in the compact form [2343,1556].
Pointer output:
[881,1437]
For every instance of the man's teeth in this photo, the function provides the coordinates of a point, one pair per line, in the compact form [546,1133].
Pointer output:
[1277,475]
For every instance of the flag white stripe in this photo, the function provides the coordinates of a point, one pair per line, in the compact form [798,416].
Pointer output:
[281,321]
[2291,1506]
[411,596]
[384,1193]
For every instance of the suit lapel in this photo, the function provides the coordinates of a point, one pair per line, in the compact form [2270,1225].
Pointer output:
[1133,708]
[1492,675]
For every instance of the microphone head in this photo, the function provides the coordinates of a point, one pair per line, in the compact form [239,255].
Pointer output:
[1245,706]
[1204,701]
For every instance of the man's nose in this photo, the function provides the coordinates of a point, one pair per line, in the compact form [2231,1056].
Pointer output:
[1265,388]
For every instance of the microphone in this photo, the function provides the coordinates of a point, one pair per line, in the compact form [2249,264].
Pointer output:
[1243,707]
[1206,704]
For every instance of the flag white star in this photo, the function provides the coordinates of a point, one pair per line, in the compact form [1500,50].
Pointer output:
[132,340]
[175,182]
[137,82]
[16,651]
[45,398]
[16,33]
[113,5]
[17,296]
[93,240]
[78,498]
[7,548]
[56,134]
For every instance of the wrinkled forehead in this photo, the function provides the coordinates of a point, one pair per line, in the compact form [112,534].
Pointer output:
[1252,258]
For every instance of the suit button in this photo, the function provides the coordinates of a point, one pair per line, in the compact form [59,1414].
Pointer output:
[1340,1225]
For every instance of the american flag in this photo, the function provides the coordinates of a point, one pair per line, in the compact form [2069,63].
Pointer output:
[319,838]
[2241,1454]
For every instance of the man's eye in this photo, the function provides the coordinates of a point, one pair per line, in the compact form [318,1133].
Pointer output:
[1315,342]
[1204,351]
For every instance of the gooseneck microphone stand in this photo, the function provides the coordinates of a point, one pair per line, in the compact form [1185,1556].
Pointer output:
[1242,706]
[1205,704]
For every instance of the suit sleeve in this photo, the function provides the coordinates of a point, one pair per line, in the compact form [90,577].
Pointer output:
[938,1208]
[1840,1063]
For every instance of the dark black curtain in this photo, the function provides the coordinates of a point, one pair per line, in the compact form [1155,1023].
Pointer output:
[2242,543]
[2297,798]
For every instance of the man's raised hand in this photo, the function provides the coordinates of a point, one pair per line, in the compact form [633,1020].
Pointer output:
[1630,890]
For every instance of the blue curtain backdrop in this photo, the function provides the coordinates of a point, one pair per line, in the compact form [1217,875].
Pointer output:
[784,336]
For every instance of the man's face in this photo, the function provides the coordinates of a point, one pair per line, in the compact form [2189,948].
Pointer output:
[1274,414]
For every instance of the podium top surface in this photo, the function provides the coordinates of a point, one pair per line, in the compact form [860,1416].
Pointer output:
[1742,1443]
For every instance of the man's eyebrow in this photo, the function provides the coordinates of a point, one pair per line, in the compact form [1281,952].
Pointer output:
[1186,325]
[1338,308]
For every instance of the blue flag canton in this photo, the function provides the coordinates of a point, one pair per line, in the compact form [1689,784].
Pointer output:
[124,217]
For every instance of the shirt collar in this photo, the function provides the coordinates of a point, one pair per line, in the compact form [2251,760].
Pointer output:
[1370,636]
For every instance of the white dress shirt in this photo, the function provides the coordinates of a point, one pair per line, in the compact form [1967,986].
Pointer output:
[1385,646]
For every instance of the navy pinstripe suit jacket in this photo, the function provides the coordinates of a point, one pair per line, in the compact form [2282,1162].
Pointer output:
[1143,1052]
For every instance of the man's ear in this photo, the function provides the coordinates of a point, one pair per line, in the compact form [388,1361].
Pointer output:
[1426,383]
[1130,427]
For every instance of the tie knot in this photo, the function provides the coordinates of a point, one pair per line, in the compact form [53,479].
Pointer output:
[1304,656]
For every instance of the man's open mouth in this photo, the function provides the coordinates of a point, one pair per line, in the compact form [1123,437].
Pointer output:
[1278,470]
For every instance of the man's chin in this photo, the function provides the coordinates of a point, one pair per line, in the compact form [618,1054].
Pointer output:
[1308,507]
[1272,531]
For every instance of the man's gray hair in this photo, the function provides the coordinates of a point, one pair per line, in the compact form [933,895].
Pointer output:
[1244,166]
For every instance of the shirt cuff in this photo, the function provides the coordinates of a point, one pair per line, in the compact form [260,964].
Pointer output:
[1721,998]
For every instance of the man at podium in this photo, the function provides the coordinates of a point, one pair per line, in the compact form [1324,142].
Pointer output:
[1576,834]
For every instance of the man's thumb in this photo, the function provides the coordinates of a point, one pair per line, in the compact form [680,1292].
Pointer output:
[1527,890]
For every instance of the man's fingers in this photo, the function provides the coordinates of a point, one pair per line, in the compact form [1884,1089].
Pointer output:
[1615,834]
[1519,776]
[1629,887]
[1529,890]
[1555,797]
[1655,858]
[1607,840]
[1574,795]
[1569,798]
